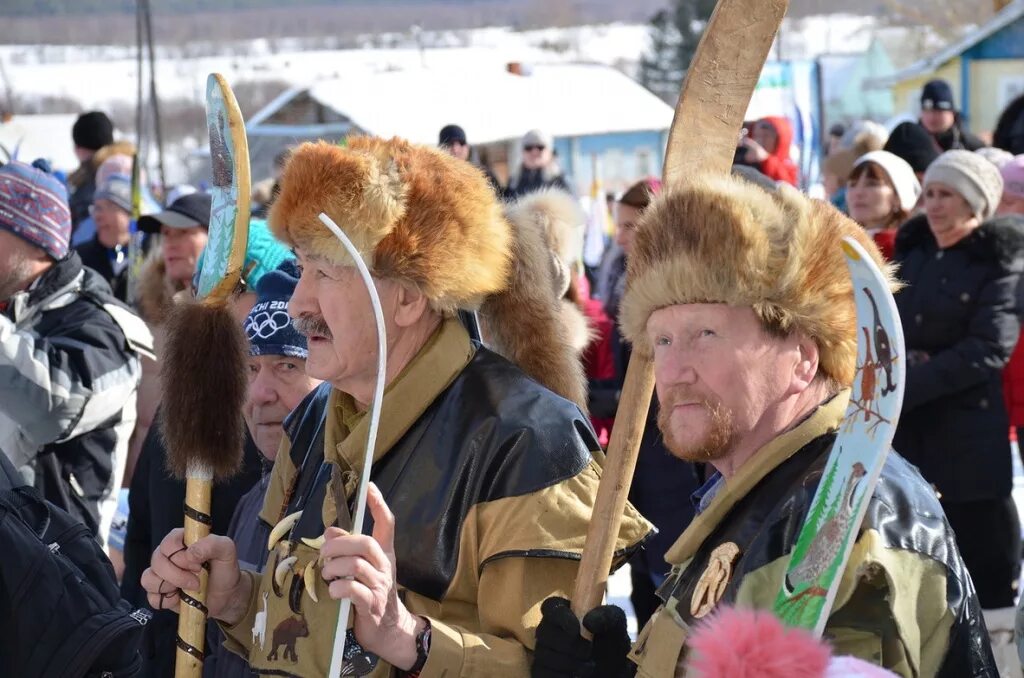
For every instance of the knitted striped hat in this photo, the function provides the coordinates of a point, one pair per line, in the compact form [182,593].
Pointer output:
[34,207]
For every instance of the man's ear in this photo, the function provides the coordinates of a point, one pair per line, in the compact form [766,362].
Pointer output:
[806,367]
[410,305]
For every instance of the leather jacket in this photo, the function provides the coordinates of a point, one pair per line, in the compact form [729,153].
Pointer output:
[903,510]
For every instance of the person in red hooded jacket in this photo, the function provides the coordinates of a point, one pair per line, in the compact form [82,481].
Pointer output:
[768,148]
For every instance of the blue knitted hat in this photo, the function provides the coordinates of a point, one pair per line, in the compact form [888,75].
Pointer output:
[268,326]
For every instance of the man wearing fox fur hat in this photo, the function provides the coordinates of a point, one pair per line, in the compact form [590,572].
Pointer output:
[743,299]
[483,475]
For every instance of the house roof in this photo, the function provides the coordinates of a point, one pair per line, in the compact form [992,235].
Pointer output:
[491,104]
[1007,16]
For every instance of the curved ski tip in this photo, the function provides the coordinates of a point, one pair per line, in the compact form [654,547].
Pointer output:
[850,251]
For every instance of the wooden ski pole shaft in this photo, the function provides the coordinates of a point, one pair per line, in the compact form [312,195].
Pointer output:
[616,476]
[193,613]
[703,137]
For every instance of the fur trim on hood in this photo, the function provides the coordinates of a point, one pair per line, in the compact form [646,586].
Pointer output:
[999,239]
[561,221]
[559,216]
[581,333]
[723,240]
[416,215]
[527,322]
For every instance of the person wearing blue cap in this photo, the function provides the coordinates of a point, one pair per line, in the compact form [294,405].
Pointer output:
[278,383]
[942,120]
[69,355]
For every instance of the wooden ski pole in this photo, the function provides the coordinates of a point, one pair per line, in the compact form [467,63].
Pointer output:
[703,137]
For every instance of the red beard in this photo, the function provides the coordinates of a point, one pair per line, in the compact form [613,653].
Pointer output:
[719,438]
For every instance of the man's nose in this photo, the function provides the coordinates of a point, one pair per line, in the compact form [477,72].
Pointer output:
[302,301]
[261,389]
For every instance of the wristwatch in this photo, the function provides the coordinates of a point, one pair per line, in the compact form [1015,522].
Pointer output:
[422,649]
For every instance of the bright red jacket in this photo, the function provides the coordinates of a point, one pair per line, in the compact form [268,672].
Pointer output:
[886,241]
[779,166]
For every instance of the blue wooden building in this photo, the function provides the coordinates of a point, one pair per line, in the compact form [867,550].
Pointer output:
[985,69]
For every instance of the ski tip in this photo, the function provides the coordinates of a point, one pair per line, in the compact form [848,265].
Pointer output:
[850,250]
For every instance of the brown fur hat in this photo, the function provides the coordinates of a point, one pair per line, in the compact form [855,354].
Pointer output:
[724,240]
[416,215]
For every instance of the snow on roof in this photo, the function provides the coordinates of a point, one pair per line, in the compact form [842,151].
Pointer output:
[1007,16]
[40,136]
[492,104]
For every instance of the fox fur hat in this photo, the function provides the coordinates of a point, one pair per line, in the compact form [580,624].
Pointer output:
[415,214]
[725,240]
[426,219]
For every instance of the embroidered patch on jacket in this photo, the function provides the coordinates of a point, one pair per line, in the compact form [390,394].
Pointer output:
[711,585]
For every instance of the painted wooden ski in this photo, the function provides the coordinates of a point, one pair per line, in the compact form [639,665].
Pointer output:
[830,529]
[230,192]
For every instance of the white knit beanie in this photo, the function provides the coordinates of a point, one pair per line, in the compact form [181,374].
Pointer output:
[900,173]
[976,179]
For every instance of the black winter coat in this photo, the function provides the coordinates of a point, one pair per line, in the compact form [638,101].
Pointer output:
[958,138]
[97,257]
[530,181]
[960,321]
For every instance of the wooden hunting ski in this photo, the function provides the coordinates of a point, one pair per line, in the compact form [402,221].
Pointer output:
[830,529]
[203,429]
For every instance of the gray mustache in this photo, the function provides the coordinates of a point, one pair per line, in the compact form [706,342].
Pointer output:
[312,325]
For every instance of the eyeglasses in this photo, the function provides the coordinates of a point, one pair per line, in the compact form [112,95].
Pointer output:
[532,147]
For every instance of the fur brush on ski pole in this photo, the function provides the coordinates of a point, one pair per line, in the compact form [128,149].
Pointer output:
[203,370]
[703,138]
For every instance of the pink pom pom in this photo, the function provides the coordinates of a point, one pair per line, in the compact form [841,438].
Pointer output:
[751,644]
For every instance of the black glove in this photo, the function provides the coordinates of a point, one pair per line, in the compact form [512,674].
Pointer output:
[561,652]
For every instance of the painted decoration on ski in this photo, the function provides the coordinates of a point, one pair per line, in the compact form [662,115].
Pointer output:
[855,462]
[230,193]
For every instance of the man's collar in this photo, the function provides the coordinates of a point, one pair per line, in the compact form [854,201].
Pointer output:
[826,417]
[52,283]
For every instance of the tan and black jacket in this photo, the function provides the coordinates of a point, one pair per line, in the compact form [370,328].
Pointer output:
[905,600]
[492,481]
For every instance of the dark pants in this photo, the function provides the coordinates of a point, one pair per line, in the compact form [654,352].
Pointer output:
[988,535]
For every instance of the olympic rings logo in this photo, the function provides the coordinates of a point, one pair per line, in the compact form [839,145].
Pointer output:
[264,324]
